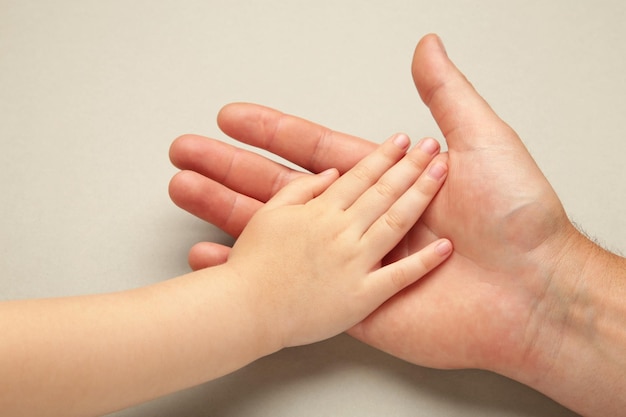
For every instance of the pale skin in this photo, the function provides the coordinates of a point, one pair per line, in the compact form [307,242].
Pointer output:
[525,294]
[307,267]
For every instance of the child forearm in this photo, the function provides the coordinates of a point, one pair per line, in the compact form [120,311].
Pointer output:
[307,267]
[95,354]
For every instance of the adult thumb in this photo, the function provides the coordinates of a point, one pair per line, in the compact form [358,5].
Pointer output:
[464,117]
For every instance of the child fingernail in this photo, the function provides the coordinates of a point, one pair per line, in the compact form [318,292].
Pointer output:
[429,146]
[402,141]
[329,171]
[443,248]
[437,171]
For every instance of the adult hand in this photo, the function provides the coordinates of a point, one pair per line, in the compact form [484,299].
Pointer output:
[496,206]
[502,301]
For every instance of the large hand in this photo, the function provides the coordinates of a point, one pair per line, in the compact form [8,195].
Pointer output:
[483,307]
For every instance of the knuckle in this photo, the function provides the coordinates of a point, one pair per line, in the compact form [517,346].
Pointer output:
[394,220]
[363,173]
[400,277]
[426,189]
[385,189]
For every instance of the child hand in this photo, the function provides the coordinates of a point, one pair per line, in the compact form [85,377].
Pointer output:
[312,255]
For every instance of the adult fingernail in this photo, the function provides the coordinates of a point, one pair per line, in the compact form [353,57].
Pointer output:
[437,171]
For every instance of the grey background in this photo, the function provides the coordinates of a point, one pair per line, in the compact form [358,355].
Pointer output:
[92,94]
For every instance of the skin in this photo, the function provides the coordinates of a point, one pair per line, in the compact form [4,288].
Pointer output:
[307,267]
[525,294]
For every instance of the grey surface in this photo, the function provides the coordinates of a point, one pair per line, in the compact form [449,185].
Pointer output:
[92,94]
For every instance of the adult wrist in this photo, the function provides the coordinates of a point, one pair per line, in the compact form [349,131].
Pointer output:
[577,331]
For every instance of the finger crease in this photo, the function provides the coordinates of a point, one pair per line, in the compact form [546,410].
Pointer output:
[320,144]
[281,179]
[231,213]
[231,164]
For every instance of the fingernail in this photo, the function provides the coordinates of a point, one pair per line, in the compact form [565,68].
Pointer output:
[429,146]
[329,171]
[443,248]
[437,171]
[402,141]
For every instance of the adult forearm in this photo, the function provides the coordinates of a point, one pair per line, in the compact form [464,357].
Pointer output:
[95,354]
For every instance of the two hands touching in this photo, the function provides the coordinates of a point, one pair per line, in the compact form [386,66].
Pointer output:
[496,207]
[523,294]
[312,256]
[308,266]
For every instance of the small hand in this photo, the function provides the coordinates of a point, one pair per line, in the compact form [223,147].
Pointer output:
[312,254]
